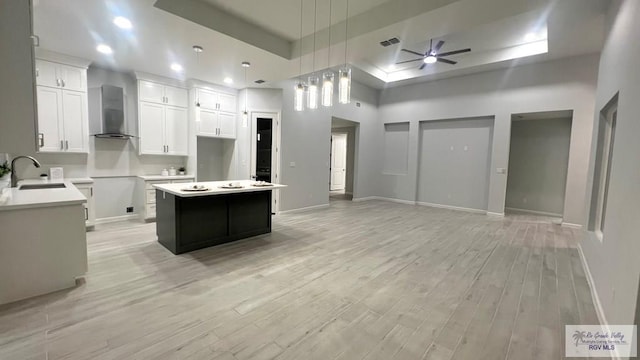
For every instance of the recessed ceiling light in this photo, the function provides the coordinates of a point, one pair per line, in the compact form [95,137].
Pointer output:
[122,22]
[228,80]
[105,49]
[176,67]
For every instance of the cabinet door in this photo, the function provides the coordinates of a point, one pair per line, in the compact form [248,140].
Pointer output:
[150,91]
[176,130]
[227,125]
[227,103]
[89,209]
[151,123]
[176,96]
[49,102]
[46,73]
[74,121]
[72,78]
[208,99]
[208,124]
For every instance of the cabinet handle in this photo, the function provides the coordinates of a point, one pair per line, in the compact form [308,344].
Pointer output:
[86,214]
[63,83]
[41,139]
[37,72]
[58,82]
[66,144]
[91,191]
[167,148]
[36,40]
[61,145]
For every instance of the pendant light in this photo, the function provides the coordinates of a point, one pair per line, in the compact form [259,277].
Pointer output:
[327,76]
[197,49]
[245,113]
[344,75]
[313,95]
[299,89]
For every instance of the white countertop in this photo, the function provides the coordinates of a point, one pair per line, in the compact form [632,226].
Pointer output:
[214,188]
[14,199]
[168,177]
[86,180]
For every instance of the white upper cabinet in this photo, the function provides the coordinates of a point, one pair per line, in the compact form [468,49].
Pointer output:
[217,115]
[163,119]
[162,94]
[63,124]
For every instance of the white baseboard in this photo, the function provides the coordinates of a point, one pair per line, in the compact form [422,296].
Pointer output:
[368,198]
[117,218]
[309,208]
[594,293]
[535,212]
[495,214]
[381,198]
[570,225]
[449,207]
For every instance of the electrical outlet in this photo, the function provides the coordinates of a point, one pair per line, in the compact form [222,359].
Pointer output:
[130,209]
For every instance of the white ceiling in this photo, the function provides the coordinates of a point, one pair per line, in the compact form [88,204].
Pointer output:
[495,30]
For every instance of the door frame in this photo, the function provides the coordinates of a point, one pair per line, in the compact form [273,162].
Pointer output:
[275,149]
[346,149]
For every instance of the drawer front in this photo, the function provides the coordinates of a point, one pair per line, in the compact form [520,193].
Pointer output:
[149,184]
[150,210]
[151,196]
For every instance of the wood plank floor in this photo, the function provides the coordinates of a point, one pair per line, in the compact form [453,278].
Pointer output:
[368,280]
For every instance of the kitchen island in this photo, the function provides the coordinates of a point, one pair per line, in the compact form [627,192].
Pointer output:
[188,220]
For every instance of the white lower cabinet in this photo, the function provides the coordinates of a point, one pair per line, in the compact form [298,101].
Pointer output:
[148,203]
[86,188]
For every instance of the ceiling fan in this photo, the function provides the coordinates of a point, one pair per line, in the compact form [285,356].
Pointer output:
[432,55]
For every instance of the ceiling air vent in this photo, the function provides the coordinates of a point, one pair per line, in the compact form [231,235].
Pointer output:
[259,81]
[390,42]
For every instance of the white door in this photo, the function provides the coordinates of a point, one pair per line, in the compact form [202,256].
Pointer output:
[49,118]
[227,103]
[72,78]
[150,91]
[176,134]
[338,161]
[73,115]
[227,125]
[208,123]
[151,128]
[46,73]
[175,96]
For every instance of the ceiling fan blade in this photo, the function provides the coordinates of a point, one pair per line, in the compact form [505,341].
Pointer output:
[446,61]
[408,61]
[438,45]
[422,66]
[454,52]
[412,52]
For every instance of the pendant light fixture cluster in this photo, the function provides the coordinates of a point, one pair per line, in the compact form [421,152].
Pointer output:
[316,91]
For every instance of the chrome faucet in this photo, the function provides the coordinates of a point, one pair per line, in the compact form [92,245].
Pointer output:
[14,177]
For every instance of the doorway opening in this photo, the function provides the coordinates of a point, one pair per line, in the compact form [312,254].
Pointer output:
[342,159]
[538,164]
[265,151]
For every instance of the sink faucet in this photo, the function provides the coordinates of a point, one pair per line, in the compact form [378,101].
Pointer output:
[14,177]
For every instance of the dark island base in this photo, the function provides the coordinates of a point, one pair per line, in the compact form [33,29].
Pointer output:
[185,224]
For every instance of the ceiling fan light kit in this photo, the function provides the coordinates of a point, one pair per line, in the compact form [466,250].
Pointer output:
[432,55]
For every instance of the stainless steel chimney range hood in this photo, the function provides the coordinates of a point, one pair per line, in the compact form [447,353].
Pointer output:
[111,108]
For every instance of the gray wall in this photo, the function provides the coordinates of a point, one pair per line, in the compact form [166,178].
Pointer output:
[555,85]
[211,162]
[614,262]
[538,161]
[306,140]
[454,162]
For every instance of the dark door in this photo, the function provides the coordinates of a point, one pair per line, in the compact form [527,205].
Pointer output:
[264,128]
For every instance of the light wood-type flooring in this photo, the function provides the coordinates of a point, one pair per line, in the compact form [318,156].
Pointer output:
[367,280]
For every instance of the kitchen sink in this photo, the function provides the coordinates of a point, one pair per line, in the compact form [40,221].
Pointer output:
[41,186]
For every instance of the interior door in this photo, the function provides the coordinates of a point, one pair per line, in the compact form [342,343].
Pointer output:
[73,104]
[151,128]
[264,149]
[49,118]
[338,161]
[176,133]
